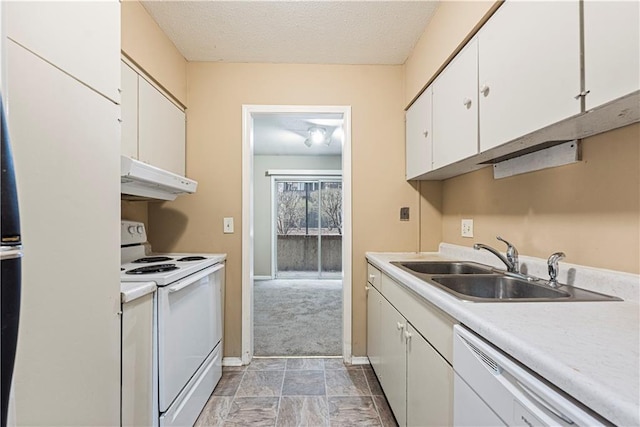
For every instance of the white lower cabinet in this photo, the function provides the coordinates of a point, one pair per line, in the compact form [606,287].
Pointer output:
[374,307]
[429,384]
[138,407]
[412,363]
[394,360]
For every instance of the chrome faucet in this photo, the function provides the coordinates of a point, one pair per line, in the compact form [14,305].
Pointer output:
[511,260]
[552,263]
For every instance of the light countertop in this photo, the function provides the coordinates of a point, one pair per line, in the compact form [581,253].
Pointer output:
[130,291]
[590,350]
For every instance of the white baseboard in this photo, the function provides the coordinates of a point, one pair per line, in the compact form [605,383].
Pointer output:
[359,360]
[231,361]
[262,277]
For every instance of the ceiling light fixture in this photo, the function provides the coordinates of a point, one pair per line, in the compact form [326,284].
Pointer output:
[317,135]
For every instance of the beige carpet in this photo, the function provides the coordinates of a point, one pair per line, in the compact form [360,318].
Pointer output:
[297,317]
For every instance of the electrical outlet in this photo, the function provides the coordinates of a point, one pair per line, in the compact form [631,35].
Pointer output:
[466,228]
[228,225]
[404,214]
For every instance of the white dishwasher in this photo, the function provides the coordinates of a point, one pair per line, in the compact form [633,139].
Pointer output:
[490,389]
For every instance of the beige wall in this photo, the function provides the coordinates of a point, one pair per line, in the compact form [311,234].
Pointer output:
[589,210]
[145,43]
[214,158]
[430,226]
[448,29]
[262,199]
[134,211]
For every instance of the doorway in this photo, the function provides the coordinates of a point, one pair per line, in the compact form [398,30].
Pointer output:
[313,230]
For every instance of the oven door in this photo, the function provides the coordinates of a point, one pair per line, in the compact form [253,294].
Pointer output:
[189,327]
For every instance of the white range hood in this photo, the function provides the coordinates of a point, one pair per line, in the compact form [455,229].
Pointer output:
[140,181]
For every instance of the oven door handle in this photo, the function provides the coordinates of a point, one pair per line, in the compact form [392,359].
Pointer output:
[195,278]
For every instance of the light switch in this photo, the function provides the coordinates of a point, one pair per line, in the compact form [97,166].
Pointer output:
[228,225]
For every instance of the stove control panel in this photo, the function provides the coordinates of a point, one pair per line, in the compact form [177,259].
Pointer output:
[132,232]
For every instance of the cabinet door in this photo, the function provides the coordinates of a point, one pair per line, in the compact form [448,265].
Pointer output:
[394,360]
[374,301]
[82,38]
[529,69]
[455,109]
[129,127]
[429,384]
[612,50]
[137,362]
[418,136]
[161,130]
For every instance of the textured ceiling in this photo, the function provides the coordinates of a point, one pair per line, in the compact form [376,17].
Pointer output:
[304,32]
[284,134]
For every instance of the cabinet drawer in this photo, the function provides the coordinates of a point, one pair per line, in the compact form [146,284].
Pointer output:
[373,276]
[432,323]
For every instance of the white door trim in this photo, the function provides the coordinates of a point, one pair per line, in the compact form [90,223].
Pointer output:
[247,220]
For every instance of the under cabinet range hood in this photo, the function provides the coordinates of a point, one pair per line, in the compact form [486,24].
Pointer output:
[140,181]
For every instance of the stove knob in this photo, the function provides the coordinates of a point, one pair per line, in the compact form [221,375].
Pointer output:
[139,229]
[131,229]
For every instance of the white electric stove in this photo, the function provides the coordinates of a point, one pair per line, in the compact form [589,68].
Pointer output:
[189,321]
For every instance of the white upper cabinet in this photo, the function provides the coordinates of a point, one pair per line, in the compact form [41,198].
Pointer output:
[419,136]
[153,127]
[161,130]
[80,38]
[612,50]
[129,129]
[529,69]
[455,109]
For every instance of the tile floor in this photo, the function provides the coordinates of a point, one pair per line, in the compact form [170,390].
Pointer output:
[297,392]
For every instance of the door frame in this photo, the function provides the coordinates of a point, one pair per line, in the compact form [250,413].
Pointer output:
[248,213]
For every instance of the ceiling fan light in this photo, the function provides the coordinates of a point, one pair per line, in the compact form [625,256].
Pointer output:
[308,142]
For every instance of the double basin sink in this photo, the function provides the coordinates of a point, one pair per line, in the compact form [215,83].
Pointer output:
[474,282]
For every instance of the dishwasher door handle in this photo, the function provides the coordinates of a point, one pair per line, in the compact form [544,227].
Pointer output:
[532,395]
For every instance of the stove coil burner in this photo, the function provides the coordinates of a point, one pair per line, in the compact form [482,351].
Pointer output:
[192,258]
[152,259]
[153,269]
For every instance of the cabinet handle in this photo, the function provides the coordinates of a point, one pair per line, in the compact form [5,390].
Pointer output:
[400,326]
[407,335]
[582,94]
[372,278]
[467,102]
[484,89]
[366,288]
[425,133]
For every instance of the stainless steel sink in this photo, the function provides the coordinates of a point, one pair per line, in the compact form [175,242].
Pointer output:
[474,282]
[499,288]
[442,267]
